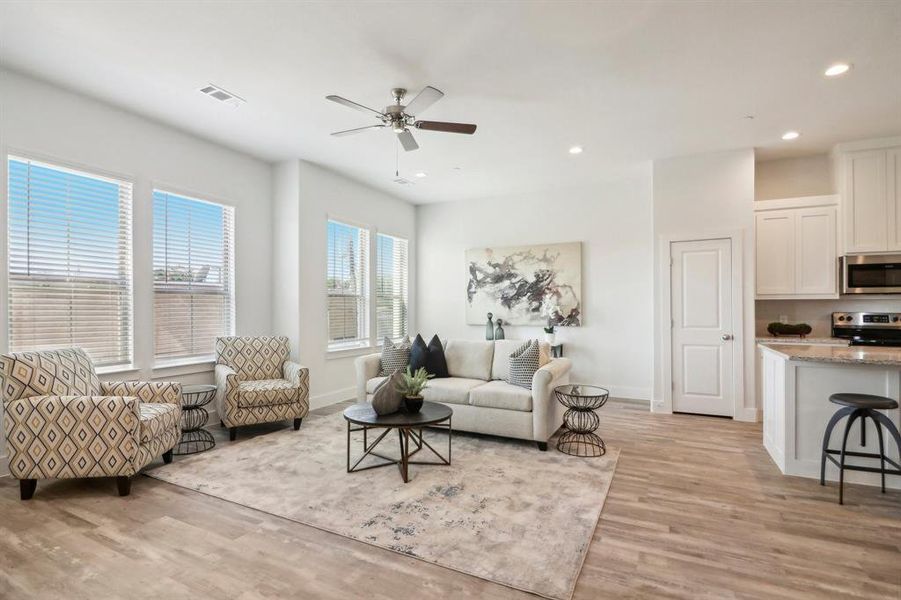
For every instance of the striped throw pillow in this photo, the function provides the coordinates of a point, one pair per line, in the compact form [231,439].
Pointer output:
[523,364]
[395,356]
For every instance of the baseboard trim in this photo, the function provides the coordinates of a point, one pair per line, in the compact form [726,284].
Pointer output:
[4,465]
[625,392]
[334,397]
[749,414]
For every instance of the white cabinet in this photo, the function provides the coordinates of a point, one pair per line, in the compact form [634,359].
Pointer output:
[871,198]
[796,249]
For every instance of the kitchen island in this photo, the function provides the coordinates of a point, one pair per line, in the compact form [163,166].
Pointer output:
[795,382]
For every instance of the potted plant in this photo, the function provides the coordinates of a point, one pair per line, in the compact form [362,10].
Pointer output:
[411,386]
[549,335]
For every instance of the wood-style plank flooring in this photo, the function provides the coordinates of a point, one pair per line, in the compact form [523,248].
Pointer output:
[696,510]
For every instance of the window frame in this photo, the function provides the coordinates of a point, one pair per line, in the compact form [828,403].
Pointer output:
[377,340]
[371,341]
[364,342]
[161,364]
[128,262]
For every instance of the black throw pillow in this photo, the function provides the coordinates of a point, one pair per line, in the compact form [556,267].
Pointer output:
[435,363]
[419,354]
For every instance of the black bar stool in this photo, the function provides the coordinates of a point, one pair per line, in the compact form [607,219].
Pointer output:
[862,406]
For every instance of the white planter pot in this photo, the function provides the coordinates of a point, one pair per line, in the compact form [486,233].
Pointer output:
[550,338]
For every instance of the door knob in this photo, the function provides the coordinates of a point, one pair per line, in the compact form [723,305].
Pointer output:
[727,337]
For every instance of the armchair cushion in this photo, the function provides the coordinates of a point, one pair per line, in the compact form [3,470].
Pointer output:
[266,392]
[162,392]
[157,418]
[253,358]
[66,372]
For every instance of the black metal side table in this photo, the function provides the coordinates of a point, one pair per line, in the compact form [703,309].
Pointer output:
[194,415]
[580,421]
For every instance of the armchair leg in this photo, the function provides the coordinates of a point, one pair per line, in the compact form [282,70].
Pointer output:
[221,423]
[167,456]
[124,485]
[542,446]
[297,423]
[232,434]
[26,488]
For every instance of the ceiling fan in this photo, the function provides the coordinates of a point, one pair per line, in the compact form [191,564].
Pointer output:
[400,118]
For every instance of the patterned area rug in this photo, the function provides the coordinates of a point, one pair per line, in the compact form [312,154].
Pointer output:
[504,511]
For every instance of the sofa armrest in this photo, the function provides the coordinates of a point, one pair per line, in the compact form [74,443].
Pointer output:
[545,379]
[71,430]
[164,392]
[367,367]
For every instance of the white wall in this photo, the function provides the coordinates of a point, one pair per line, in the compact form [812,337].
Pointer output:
[613,222]
[305,196]
[794,177]
[708,193]
[45,122]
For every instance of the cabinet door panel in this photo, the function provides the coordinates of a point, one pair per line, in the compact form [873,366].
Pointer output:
[893,176]
[816,260]
[775,240]
[866,206]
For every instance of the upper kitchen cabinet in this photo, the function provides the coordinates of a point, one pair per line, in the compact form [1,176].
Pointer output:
[871,199]
[796,248]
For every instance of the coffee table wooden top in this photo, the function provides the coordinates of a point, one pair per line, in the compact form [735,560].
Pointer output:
[430,414]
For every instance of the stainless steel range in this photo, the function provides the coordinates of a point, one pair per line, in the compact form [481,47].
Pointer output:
[868,328]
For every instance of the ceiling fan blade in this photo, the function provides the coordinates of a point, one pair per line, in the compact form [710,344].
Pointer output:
[354,105]
[407,141]
[466,128]
[357,130]
[427,97]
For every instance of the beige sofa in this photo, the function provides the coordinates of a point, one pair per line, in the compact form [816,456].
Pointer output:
[482,401]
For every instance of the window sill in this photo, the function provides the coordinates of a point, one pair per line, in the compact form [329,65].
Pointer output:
[184,367]
[350,352]
[117,370]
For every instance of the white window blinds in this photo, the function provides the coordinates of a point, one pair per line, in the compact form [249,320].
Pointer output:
[347,284]
[391,287]
[193,274]
[69,261]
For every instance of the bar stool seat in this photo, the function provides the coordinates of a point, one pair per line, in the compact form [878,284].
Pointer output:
[862,406]
[863,401]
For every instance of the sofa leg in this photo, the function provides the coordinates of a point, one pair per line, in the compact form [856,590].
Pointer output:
[542,446]
[232,434]
[167,456]
[26,488]
[221,423]
[124,485]
[297,423]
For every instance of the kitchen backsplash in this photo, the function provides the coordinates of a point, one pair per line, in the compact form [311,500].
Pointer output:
[818,313]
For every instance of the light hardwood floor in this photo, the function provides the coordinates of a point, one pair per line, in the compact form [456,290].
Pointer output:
[696,510]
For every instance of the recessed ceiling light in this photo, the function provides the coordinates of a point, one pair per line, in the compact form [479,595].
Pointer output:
[790,135]
[420,174]
[575,150]
[837,69]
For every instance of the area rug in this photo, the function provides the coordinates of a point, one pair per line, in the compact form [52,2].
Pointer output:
[503,511]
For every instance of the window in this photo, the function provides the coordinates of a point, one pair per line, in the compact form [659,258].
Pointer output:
[193,270]
[69,261]
[347,286]
[390,287]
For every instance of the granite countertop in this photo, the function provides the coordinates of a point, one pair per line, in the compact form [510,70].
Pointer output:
[799,341]
[853,355]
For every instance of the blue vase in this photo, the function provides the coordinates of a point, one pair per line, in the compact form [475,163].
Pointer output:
[499,332]
[489,328]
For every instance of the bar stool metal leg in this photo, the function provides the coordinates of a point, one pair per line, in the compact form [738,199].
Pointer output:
[881,451]
[838,416]
[841,467]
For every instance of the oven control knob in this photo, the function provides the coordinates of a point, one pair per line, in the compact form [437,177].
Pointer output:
[894,319]
[850,318]
[841,318]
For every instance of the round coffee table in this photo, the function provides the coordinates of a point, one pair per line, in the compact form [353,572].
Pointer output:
[580,421]
[194,415]
[409,429]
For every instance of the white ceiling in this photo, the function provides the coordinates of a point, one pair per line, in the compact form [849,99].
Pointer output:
[629,81]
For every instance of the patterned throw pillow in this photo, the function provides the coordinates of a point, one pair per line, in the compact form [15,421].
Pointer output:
[523,364]
[395,356]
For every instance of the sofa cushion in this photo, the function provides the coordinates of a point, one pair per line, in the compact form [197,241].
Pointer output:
[435,362]
[419,354]
[395,357]
[469,359]
[523,364]
[450,390]
[266,392]
[500,394]
[500,366]
[157,418]
[373,383]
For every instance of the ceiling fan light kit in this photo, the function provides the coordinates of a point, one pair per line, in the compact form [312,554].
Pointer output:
[401,118]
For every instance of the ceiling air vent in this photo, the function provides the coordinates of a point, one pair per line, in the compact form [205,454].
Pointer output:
[217,93]
[403,181]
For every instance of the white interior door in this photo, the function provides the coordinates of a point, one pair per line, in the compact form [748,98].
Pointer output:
[702,327]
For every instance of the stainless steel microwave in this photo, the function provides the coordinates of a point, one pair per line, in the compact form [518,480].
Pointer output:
[871,274]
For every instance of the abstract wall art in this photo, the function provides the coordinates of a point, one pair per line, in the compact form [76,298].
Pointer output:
[525,285]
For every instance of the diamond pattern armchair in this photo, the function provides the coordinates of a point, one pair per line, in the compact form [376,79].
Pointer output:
[61,421]
[256,383]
